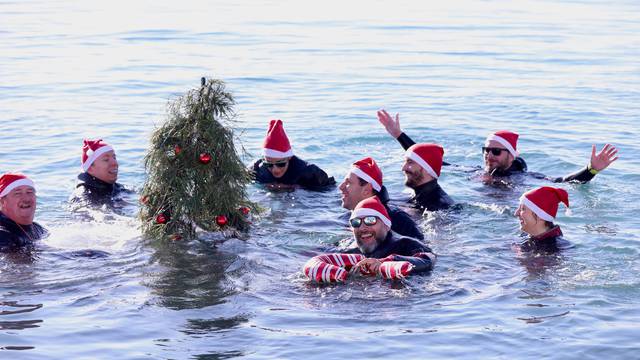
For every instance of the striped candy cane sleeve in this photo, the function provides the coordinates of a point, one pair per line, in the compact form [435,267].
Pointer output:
[330,268]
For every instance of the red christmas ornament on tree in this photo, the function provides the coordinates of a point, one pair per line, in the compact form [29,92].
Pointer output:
[221,220]
[177,150]
[245,210]
[161,219]
[205,158]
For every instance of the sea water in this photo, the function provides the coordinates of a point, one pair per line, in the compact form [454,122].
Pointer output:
[563,74]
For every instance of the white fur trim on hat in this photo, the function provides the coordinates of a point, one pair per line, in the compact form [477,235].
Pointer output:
[504,143]
[415,157]
[362,212]
[277,154]
[364,176]
[536,209]
[15,184]
[95,155]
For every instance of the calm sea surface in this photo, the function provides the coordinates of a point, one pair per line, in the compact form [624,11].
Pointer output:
[564,74]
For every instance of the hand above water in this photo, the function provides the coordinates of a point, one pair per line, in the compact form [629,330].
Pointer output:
[392,125]
[368,266]
[604,158]
[278,187]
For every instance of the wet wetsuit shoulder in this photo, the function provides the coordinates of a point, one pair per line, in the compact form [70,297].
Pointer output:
[14,236]
[403,224]
[95,191]
[550,241]
[431,197]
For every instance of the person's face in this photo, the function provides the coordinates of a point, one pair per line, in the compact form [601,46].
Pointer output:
[502,161]
[277,166]
[352,192]
[369,237]
[19,204]
[105,167]
[414,174]
[528,219]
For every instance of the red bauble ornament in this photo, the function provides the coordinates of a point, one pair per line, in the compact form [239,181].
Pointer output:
[177,150]
[161,219]
[221,220]
[205,158]
[245,210]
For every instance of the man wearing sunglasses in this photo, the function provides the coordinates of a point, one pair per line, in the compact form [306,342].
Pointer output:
[371,227]
[281,170]
[363,181]
[501,157]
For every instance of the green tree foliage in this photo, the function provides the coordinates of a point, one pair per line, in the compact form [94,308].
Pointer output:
[183,191]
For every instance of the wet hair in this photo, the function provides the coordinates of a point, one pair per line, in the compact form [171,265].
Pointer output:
[364,182]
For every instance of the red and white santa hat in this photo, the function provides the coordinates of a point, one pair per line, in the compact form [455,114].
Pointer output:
[91,150]
[544,201]
[367,170]
[507,138]
[10,181]
[371,207]
[428,156]
[276,143]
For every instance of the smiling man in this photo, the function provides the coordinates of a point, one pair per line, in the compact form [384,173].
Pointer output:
[97,184]
[364,180]
[378,251]
[17,209]
[281,170]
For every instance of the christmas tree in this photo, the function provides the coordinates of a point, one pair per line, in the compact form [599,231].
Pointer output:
[195,178]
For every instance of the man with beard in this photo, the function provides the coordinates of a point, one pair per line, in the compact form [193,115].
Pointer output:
[97,184]
[17,209]
[364,180]
[379,251]
[421,169]
[501,157]
[281,170]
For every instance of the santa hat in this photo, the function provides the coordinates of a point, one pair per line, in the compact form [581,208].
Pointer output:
[276,143]
[507,138]
[367,170]
[91,150]
[544,201]
[11,181]
[428,156]
[371,207]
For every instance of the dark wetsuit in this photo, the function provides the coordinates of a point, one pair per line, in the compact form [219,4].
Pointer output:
[519,166]
[401,248]
[550,241]
[15,237]
[299,172]
[430,196]
[401,222]
[95,192]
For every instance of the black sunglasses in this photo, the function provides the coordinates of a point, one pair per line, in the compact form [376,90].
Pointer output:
[493,150]
[279,164]
[368,220]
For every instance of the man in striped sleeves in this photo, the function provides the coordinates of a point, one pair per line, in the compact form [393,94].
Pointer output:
[379,251]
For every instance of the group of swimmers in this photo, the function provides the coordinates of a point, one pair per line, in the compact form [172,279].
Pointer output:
[387,241]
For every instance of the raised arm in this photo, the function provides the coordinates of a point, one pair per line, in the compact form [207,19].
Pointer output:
[392,125]
[597,163]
